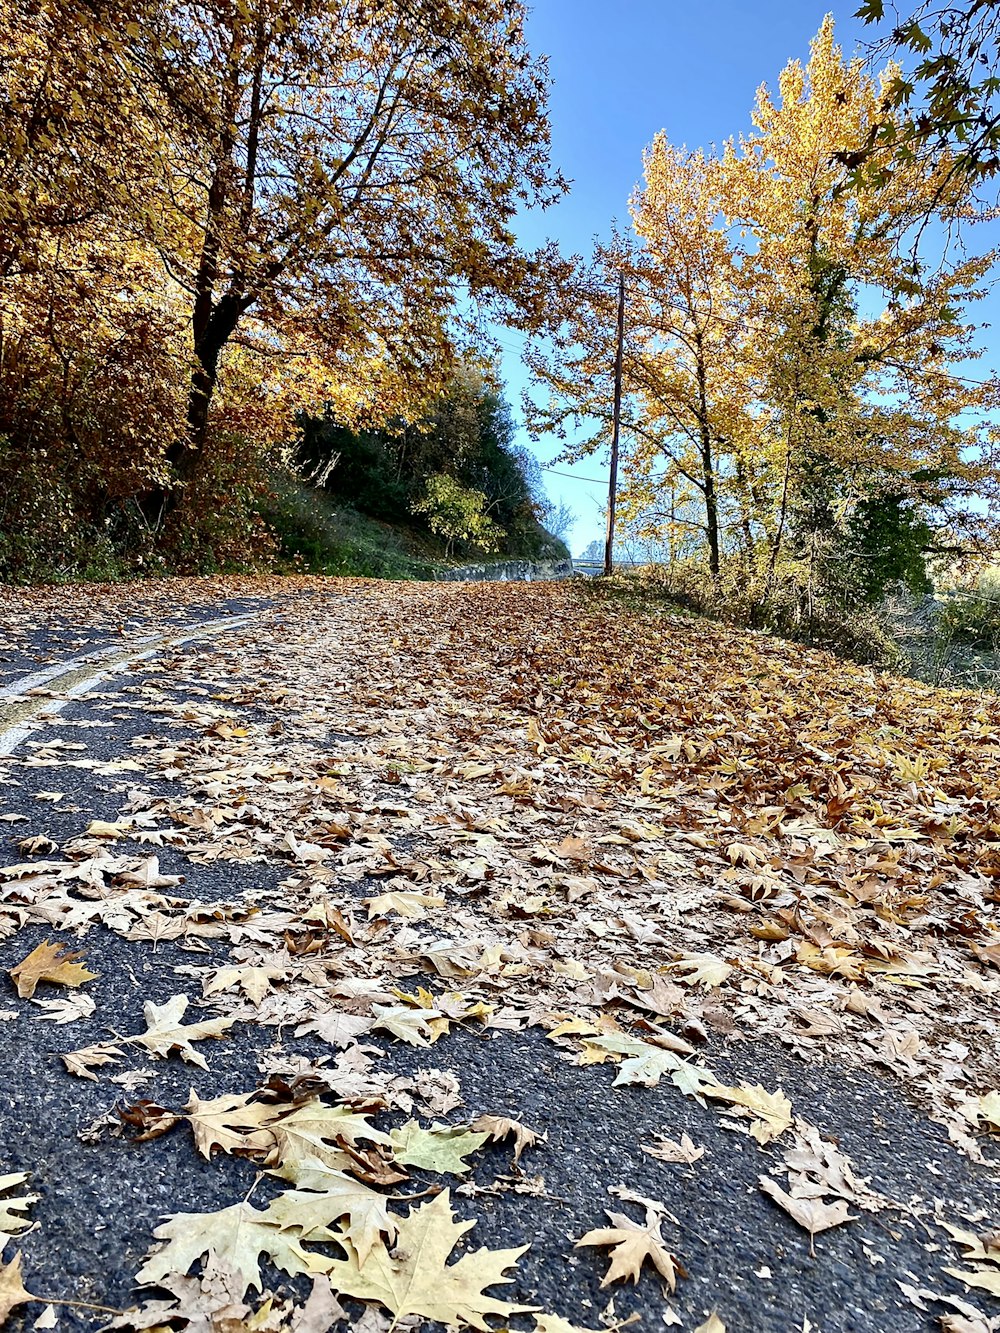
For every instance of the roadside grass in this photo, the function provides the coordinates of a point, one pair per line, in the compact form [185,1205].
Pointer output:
[319,537]
[950,640]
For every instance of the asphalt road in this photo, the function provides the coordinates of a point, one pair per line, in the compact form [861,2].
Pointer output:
[101,1199]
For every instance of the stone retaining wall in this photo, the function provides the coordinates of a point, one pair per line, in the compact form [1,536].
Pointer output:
[509,571]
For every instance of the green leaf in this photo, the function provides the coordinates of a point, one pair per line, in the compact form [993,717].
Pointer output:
[872,11]
[440,1148]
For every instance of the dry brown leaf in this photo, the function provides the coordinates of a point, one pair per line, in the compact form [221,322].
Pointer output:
[12,1291]
[771,1111]
[52,963]
[11,1208]
[238,1235]
[364,1212]
[713,1324]
[632,1243]
[667,1150]
[416,1278]
[812,1214]
[499,1127]
[166,1033]
[232,1123]
[83,1062]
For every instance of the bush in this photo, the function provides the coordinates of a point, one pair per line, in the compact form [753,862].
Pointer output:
[972,619]
[458,514]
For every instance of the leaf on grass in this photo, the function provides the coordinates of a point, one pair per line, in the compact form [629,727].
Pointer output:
[166,1033]
[51,963]
[632,1243]
[239,1235]
[500,1127]
[416,1279]
[10,1208]
[440,1148]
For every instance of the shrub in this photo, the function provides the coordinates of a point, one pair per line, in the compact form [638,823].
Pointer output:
[458,514]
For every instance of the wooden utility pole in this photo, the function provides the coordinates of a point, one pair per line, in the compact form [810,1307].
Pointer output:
[609,542]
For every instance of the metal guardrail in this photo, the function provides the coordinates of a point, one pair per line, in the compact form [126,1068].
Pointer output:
[597,566]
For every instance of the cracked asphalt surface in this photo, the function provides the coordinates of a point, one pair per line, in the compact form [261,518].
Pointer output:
[749,1262]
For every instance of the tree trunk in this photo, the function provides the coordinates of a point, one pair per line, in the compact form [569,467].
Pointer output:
[711,512]
[187,454]
[707,466]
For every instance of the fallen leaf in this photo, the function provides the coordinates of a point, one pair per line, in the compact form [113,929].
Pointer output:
[232,1123]
[553,1323]
[254,982]
[668,1150]
[811,1214]
[83,1062]
[499,1127]
[632,1243]
[166,1033]
[440,1148]
[52,963]
[713,1324]
[403,903]
[416,1279]
[239,1235]
[12,1290]
[408,1024]
[772,1111]
[10,1208]
[361,1210]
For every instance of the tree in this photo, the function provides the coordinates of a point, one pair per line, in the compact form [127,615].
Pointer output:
[457,513]
[352,183]
[787,368]
[258,209]
[77,145]
[862,371]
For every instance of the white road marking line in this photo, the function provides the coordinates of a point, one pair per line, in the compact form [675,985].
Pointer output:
[104,663]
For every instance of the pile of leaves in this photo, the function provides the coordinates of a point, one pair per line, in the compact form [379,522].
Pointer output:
[497,807]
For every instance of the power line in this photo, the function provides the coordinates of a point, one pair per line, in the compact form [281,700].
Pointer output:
[596,481]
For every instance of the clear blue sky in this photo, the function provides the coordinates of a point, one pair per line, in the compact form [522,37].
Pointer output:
[622,71]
